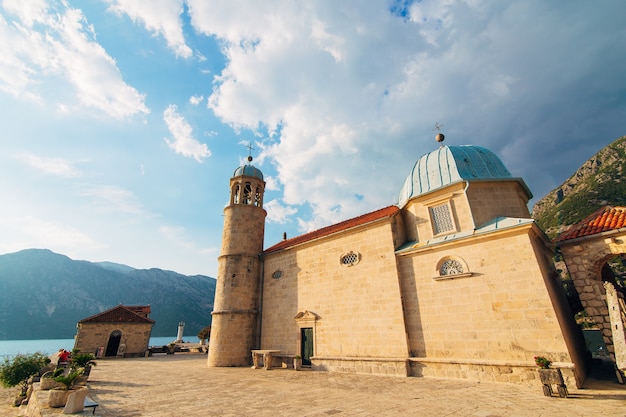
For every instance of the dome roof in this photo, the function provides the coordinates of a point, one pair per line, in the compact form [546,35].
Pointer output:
[248,171]
[450,164]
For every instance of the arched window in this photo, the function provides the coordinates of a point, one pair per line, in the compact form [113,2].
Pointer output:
[247,193]
[236,194]
[452,267]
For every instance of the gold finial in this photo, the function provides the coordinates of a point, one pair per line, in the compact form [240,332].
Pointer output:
[439,137]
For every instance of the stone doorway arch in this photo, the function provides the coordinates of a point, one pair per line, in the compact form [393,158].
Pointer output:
[114,343]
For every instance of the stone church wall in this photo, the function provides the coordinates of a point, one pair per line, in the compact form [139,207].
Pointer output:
[490,199]
[492,323]
[358,307]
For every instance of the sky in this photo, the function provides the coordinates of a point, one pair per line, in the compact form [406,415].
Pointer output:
[123,120]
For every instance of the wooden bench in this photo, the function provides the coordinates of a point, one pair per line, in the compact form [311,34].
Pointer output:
[89,403]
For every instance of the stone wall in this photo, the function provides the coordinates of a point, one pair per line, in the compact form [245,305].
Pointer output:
[584,259]
[136,337]
[493,371]
[357,308]
[500,310]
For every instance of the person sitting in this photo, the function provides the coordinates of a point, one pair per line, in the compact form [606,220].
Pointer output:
[64,358]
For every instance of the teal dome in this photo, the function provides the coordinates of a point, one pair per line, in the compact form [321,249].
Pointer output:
[248,171]
[451,164]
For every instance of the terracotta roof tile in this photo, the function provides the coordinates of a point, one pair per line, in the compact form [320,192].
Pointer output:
[120,314]
[605,219]
[329,230]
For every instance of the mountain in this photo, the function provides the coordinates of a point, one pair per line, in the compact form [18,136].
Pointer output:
[600,181]
[44,294]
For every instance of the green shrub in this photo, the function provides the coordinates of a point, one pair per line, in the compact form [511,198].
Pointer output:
[68,380]
[16,371]
[81,360]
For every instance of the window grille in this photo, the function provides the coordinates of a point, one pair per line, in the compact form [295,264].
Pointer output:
[451,267]
[350,259]
[442,219]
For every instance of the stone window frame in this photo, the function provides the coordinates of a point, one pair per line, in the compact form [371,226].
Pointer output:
[349,259]
[307,319]
[436,222]
[448,259]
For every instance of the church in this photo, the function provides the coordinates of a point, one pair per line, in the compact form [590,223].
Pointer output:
[455,280]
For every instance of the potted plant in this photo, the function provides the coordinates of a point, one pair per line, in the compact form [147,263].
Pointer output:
[550,376]
[18,370]
[47,380]
[83,360]
[58,396]
[297,362]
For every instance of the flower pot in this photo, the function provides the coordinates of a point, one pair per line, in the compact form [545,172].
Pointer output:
[58,397]
[297,364]
[81,380]
[49,383]
[552,376]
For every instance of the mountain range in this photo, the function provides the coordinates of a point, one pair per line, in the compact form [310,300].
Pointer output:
[600,181]
[44,294]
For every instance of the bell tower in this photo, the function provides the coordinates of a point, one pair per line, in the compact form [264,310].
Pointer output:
[237,290]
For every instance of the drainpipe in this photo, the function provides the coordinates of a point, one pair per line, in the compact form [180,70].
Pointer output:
[467,184]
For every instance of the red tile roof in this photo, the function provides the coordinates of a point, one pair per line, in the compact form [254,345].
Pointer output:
[329,230]
[120,314]
[606,219]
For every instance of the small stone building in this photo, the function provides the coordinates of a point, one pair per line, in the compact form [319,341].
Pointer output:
[122,331]
[594,251]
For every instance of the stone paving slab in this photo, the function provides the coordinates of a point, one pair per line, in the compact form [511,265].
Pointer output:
[182,385]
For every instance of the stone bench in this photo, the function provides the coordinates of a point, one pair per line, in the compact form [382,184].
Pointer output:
[266,354]
[284,360]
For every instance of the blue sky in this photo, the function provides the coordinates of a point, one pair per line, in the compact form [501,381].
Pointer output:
[123,120]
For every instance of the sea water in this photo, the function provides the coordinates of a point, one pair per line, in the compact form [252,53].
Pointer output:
[10,348]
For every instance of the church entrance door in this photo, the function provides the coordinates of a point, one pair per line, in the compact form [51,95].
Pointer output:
[114,343]
[306,346]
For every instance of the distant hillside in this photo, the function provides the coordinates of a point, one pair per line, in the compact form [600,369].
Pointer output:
[43,295]
[598,182]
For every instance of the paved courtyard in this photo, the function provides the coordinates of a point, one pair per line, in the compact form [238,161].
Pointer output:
[182,385]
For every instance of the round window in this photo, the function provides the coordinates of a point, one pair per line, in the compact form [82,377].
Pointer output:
[350,259]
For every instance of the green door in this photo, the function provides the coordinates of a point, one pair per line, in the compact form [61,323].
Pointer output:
[307,345]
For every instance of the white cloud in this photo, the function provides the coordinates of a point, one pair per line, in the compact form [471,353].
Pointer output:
[161,17]
[110,198]
[348,95]
[33,232]
[43,42]
[28,12]
[277,212]
[176,235]
[184,142]
[55,166]
[195,100]
[271,183]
